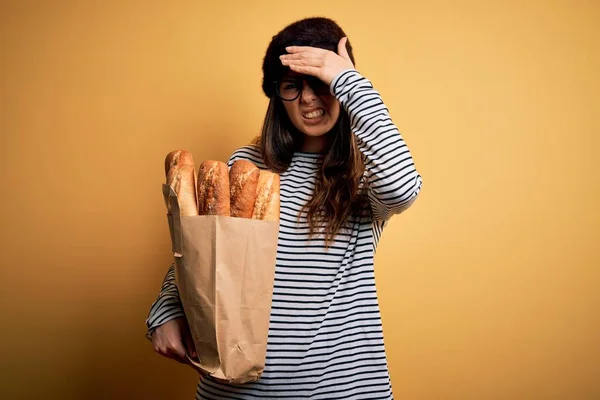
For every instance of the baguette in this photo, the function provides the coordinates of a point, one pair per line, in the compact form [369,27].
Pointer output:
[213,188]
[266,206]
[182,179]
[243,180]
[178,157]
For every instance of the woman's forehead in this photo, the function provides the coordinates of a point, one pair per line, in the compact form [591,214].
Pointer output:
[292,75]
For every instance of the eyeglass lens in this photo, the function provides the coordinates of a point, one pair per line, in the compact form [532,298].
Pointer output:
[289,88]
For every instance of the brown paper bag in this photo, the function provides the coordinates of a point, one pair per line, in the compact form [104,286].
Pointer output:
[225,270]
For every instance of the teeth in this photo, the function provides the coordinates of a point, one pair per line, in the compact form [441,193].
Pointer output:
[314,114]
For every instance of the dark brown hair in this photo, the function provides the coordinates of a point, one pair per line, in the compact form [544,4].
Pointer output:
[337,197]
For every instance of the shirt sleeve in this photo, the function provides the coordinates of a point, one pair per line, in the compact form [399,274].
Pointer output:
[167,305]
[390,175]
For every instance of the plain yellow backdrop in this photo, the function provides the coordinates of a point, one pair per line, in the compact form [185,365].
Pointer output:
[488,283]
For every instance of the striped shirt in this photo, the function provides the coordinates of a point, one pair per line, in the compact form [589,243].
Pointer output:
[325,336]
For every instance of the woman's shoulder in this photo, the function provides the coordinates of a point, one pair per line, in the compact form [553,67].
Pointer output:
[249,152]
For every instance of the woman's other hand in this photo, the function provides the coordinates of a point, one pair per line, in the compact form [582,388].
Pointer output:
[173,339]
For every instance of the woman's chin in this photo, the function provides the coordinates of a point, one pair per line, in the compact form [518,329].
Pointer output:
[317,129]
[315,132]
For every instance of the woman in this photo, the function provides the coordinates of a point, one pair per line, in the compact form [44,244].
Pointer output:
[345,171]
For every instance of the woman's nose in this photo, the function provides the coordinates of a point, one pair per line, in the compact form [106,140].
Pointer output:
[307,93]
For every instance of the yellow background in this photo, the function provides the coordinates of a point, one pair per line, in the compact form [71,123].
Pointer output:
[488,284]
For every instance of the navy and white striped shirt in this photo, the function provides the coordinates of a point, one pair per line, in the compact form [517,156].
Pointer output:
[325,334]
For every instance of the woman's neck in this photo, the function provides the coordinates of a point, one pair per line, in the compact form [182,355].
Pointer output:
[315,144]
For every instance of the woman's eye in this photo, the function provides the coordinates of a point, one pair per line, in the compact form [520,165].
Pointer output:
[290,86]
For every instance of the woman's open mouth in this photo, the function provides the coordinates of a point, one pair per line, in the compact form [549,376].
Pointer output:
[313,115]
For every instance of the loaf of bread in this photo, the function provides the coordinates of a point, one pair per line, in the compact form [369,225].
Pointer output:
[244,191]
[182,179]
[243,180]
[213,188]
[266,206]
[178,157]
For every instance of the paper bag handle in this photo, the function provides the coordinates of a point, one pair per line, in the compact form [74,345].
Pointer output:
[174,219]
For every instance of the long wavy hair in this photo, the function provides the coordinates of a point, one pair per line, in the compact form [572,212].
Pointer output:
[337,195]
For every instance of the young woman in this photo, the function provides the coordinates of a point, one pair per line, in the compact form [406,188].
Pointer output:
[345,171]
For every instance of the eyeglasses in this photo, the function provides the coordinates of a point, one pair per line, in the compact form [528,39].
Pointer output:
[289,89]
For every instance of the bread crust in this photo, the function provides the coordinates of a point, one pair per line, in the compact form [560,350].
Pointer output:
[243,180]
[178,157]
[213,188]
[182,179]
[267,205]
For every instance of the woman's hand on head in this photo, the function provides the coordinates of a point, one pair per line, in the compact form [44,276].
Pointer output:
[321,63]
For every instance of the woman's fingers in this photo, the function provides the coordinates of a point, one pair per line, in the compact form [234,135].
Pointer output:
[342,48]
[188,342]
[302,55]
[167,339]
[309,62]
[173,340]
[306,66]
[173,350]
[305,49]
[305,69]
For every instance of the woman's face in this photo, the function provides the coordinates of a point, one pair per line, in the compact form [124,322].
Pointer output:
[315,111]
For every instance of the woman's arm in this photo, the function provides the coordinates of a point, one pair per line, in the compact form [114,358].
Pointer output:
[167,305]
[392,179]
